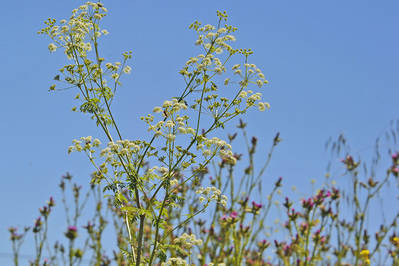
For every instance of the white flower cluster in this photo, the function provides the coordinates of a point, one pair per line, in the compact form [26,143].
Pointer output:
[202,62]
[252,73]
[113,67]
[262,106]
[164,174]
[120,147]
[174,106]
[77,36]
[253,98]
[187,241]
[214,41]
[84,144]
[209,37]
[228,156]
[175,261]
[74,34]
[209,147]
[212,194]
[173,182]
[127,69]
[175,124]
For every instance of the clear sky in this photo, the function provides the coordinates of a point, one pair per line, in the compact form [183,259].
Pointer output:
[332,66]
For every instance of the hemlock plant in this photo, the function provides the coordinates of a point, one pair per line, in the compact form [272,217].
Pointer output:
[144,194]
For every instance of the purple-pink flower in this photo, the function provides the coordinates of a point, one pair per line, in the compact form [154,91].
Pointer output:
[256,206]
[72,232]
[72,228]
[233,215]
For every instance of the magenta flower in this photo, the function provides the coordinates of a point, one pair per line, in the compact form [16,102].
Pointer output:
[350,163]
[72,228]
[335,193]
[72,232]
[307,204]
[51,202]
[263,244]
[14,235]
[38,225]
[256,206]
[231,218]
[287,203]
[45,211]
[233,215]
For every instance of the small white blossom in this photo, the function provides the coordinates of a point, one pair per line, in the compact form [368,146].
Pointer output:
[238,72]
[169,124]
[157,109]
[223,203]
[218,50]
[87,46]
[70,149]
[52,47]
[261,107]
[170,137]
[97,16]
[190,131]
[182,130]
[243,94]
[222,30]
[174,182]
[235,67]
[230,38]
[167,104]
[210,35]
[64,29]
[127,69]
[206,153]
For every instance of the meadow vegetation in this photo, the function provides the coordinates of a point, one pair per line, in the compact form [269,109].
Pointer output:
[184,196]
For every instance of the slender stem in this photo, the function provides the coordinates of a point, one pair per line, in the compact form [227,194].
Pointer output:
[140,240]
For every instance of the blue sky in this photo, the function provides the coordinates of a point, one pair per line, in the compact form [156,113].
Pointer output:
[332,67]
